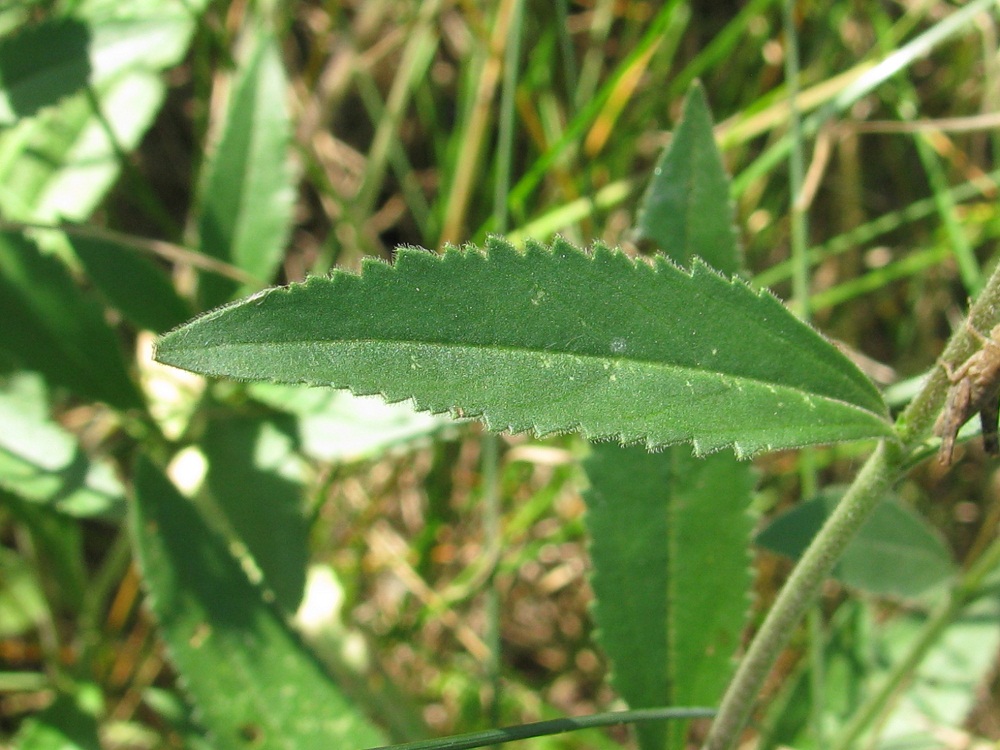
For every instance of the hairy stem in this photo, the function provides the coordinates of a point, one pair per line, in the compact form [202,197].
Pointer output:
[883,468]
[799,592]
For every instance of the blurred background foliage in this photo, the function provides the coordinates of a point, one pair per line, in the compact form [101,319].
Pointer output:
[197,151]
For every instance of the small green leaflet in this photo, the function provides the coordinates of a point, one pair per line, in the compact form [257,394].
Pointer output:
[551,340]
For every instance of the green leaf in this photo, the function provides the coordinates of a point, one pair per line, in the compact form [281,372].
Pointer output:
[247,200]
[40,64]
[49,326]
[22,601]
[252,682]
[686,211]
[671,572]
[140,290]
[551,341]
[43,463]
[66,724]
[664,518]
[896,553]
[334,426]
[254,476]
[59,164]
[947,685]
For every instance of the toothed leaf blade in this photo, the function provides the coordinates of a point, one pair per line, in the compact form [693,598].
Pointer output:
[686,211]
[551,340]
[658,522]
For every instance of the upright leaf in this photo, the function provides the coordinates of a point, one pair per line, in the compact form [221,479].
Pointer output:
[253,475]
[551,341]
[49,326]
[252,681]
[246,203]
[683,515]
[671,573]
[686,211]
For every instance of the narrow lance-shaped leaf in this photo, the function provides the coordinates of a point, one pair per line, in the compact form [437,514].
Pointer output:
[670,632]
[551,341]
[671,572]
[246,204]
[686,211]
[140,290]
[47,324]
[253,477]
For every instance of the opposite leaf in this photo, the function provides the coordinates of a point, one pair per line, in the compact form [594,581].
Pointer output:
[551,340]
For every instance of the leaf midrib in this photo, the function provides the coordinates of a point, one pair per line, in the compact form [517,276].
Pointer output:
[698,371]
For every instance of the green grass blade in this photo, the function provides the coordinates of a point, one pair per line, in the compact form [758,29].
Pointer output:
[671,572]
[251,680]
[551,727]
[246,205]
[551,341]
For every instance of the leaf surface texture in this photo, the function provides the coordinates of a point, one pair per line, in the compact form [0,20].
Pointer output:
[551,340]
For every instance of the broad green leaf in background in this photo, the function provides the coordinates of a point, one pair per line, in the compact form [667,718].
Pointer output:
[22,600]
[133,284]
[43,463]
[247,197]
[68,723]
[659,521]
[896,553]
[947,685]
[686,211]
[40,64]
[551,340]
[51,327]
[255,476]
[252,682]
[671,572]
[336,426]
[59,163]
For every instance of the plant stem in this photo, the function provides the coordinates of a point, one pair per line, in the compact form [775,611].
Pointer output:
[882,468]
[799,592]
